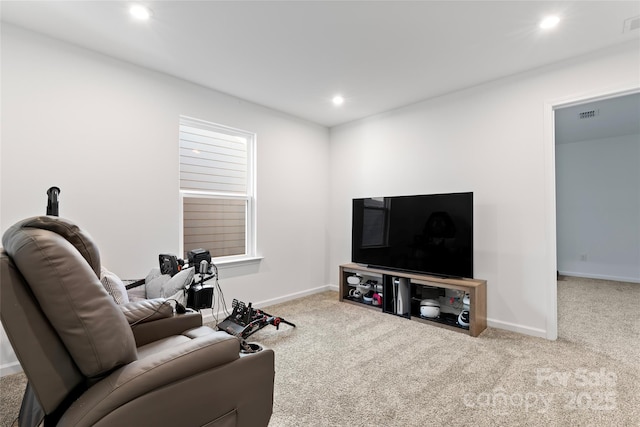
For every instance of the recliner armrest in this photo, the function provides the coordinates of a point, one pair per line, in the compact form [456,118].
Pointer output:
[147,332]
[154,372]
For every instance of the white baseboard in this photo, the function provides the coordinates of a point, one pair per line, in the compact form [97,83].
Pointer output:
[600,276]
[526,330]
[220,315]
[10,368]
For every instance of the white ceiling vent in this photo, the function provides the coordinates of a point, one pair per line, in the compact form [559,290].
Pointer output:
[588,114]
[631,24]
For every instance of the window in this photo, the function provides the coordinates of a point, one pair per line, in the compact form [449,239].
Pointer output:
[217,189]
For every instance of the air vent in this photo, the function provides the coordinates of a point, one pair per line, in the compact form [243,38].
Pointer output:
[588,114]
[631,24]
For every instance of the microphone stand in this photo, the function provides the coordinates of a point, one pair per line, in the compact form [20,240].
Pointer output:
[52,203]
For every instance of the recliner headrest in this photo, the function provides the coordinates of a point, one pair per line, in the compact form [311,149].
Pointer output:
[80,239]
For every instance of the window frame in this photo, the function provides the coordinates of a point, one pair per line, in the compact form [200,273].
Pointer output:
[250,254]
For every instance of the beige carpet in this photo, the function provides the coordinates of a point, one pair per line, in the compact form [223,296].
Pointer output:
[601,315]
[351,366]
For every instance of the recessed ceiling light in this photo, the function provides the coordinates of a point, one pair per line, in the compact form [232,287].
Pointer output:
[549,22]
[140,12]
[338,100]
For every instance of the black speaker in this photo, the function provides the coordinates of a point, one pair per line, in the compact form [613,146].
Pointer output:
[199,297]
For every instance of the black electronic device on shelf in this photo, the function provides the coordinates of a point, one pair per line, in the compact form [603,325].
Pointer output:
[245,320]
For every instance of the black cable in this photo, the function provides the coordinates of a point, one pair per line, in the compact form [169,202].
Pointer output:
[221,300]
[224,303]
[218,297]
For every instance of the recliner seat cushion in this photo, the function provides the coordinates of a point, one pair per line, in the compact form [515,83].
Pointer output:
[88,321]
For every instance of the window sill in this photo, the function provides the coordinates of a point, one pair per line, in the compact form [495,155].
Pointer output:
[236,267]
[238,262]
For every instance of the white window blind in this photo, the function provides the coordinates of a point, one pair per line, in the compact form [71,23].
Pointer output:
[216,171]
[212,161]
[215,224]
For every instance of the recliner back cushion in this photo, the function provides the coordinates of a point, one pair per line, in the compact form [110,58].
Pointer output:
[86,318]
[43,356]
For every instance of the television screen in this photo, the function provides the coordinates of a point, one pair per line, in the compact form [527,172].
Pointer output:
[429,234]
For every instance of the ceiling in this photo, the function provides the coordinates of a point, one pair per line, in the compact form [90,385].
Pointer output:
[294,56]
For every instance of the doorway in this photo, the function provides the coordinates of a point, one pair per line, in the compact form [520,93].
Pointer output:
[551,273]
[597,169]
[550,189]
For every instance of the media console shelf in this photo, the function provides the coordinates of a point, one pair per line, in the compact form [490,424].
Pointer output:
[402,293]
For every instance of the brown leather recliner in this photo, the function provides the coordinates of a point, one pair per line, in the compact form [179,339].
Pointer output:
[90,362]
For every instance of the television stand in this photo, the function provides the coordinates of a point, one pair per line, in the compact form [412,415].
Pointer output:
[402,293]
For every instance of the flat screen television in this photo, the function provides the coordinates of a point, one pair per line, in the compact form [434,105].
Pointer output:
[428,234]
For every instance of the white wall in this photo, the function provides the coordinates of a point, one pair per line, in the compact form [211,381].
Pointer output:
[490,139]
[598,205]
[106,133]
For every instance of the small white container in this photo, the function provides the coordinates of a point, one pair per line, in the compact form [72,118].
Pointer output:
[353,280]
[429,308]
